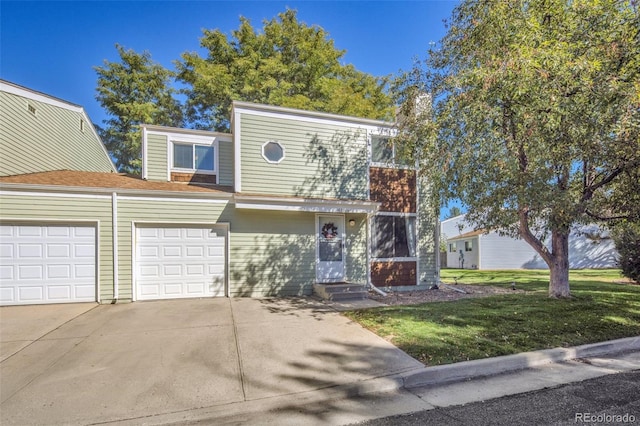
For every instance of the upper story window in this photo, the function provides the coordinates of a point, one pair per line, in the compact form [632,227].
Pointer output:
[194,157]
[383,151]
[273,152]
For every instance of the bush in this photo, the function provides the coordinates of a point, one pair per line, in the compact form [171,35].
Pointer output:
[627,239]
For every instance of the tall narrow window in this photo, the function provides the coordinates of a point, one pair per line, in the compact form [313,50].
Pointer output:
[393,236]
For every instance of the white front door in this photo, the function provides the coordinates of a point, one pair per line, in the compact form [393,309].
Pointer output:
[330,236]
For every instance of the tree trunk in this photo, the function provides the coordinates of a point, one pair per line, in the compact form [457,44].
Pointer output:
[559,265]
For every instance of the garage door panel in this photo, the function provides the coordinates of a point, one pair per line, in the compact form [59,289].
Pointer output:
[47,264]
[184,267]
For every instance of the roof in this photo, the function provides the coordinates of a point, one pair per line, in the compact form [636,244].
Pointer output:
[468,235]
[78,179]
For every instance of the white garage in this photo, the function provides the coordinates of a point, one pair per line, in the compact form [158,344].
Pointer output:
[180,261]
[52,263]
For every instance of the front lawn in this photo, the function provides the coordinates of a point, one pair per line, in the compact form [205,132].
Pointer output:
[446,332]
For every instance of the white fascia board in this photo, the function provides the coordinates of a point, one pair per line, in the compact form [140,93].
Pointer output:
[166,130]
[309,116]
[70,191]
[305,205]
[372,126]
[24,92]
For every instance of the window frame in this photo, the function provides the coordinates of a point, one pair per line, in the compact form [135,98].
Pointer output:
[284,152]
[468,245]
[213,144]
[374,239]
[393,163]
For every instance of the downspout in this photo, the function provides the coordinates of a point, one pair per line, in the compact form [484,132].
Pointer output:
[114,230]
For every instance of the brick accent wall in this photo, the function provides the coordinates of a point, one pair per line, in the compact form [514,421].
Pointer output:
[386,274]
[193,177]
[395,189]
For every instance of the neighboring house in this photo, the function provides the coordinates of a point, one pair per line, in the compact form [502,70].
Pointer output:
[289,198]
[589,247]
[42,133]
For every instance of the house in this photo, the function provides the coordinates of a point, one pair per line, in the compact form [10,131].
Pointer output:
[590,246]
[41,133]
[286,200]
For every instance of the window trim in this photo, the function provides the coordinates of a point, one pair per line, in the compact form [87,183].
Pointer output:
[397,258]
[213,143]
[284,152]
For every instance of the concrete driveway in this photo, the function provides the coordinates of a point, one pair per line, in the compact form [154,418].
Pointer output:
[99,363]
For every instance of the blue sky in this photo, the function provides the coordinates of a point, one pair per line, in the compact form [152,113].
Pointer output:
[52,46]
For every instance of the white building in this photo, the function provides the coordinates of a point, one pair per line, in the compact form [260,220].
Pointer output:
[590,246]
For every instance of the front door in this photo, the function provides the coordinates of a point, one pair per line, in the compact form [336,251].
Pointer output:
[330,236]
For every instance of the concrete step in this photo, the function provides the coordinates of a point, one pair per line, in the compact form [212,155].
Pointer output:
[341,291]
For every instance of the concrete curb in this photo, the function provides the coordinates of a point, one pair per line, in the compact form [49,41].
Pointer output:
[503,364]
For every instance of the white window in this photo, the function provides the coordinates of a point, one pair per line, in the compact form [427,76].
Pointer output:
[194,157]
[273,152]
[383,151]
[452,248]
[393,236]
[468,246]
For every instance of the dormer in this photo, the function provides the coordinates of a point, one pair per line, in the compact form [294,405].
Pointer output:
[185,155]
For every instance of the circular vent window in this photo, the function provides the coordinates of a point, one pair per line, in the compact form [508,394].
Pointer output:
[273,152]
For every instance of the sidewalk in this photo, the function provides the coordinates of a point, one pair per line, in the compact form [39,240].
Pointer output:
[352,404]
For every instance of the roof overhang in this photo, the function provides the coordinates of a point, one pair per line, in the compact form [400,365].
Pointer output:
[313,205]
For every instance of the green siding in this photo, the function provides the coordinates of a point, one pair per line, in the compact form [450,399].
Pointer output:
[157,157]
[55,209]
[225,163]
[321,160]
[49,140]
[272,253]
[356,252]
[426,228]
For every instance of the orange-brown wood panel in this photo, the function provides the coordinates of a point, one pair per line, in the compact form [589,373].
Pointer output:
[193,177]
[385,274]
[395,189]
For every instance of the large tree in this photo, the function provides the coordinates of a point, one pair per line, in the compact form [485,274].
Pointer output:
[134,91]
[288,64]
[535,118]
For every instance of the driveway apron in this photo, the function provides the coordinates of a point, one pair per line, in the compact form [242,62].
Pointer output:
[129,361]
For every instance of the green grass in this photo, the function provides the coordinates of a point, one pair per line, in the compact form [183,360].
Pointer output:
[447,332]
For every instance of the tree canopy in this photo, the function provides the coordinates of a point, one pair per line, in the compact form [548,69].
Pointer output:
[288,63]
[134,91]
[535,118]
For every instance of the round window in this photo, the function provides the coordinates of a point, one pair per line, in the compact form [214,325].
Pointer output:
[273,152]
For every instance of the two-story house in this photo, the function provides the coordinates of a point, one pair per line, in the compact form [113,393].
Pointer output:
[288,199]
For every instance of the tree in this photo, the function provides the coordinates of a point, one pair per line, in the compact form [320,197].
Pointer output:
[626,236]
[535,118]
[453,212]
[134,91]
[288,64]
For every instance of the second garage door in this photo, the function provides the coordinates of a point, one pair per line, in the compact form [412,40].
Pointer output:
[179,262]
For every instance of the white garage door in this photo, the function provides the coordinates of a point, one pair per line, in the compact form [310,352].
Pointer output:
[179,262]
[47,264]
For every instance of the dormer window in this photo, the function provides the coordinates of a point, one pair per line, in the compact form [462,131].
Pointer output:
[194,157]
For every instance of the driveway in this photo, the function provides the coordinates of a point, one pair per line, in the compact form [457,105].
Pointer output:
[101,363]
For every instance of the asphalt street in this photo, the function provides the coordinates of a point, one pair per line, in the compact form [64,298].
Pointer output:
[608,400]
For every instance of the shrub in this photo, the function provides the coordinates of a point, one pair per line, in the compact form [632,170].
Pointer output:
[627,239]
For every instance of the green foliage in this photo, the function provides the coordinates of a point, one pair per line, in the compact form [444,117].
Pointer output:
[287,64]
[134,91]
[535,122]
[446,332]
[627,239]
